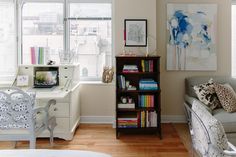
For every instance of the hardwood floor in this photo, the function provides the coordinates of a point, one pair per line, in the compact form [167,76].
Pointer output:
[101,138]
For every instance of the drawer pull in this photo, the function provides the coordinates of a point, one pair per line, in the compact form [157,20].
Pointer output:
[55,109]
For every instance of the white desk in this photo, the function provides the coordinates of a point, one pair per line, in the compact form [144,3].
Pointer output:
[49,93]
[67,108]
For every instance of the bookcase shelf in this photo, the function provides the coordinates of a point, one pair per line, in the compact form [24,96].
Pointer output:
[136,109]
[142,75]
[138,91]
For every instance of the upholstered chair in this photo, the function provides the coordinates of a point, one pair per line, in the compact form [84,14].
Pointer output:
[21,119]
[207,133]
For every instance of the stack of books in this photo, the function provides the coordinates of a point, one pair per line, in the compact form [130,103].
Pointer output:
[147,65]
[130,68]
[148,84]
[146,100]
[127,122]
[147,119]
[39,55]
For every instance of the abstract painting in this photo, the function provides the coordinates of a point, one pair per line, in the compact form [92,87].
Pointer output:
[191,41]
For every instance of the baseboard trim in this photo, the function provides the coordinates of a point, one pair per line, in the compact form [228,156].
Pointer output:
[97,119]
[111,119]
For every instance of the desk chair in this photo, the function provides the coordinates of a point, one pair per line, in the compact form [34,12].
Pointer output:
[20,119]
[207,133]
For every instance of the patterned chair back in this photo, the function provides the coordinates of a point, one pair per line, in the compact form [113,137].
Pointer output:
[16,109]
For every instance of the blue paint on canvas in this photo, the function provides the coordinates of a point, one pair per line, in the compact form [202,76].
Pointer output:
[181,29]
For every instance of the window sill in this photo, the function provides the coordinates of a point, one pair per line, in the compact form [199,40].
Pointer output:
[100,83]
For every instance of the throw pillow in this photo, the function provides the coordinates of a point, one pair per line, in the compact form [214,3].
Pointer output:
[206,94]
[214,128]
[227,96]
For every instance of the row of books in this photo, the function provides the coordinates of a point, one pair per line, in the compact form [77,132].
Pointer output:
[128,122]
[147,119]
[121,81]
[143,119]
[39,55]
[146,101]
[147,65]
[148,84]
[130,68]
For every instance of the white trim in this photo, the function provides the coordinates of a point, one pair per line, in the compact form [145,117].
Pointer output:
[111,119]
[97,119]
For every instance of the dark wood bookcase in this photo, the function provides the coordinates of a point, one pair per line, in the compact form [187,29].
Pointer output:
[136,117]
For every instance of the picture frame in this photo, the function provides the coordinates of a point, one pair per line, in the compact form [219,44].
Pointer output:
[22,80]
[135,32]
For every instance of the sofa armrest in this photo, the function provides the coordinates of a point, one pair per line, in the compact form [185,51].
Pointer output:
[189,100]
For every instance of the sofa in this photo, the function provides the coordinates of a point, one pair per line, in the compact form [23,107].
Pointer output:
[228,120]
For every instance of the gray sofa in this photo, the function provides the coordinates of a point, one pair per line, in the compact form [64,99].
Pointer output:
[228,120]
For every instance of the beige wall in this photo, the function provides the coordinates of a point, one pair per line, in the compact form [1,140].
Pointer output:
[97,100]
[172,83]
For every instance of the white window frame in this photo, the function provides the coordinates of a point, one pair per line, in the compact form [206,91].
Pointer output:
[112,33]
[11,78]
[66,35]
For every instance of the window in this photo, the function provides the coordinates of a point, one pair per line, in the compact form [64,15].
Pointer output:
[42,26]
[90,37]
[8,55]
[82,27]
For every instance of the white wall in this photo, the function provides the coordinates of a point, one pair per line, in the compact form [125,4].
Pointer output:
[94,97]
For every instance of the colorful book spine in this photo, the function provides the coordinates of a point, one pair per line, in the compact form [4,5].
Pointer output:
[33,58]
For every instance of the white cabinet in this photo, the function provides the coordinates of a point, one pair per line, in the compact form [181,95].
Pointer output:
[67,108]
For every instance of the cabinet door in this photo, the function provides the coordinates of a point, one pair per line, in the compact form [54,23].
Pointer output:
[60,110]
[62,125]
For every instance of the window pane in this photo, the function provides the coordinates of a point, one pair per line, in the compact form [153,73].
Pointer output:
[233,40]
[7,41]
[90,36]
[42,28]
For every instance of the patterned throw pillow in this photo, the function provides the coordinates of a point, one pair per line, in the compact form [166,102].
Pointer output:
[206,94]
[227,96]
[214,128]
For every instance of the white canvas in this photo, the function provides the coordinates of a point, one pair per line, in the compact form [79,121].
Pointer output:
[191,37]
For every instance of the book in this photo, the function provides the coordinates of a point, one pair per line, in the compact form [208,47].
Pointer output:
[128,105]
[33,57]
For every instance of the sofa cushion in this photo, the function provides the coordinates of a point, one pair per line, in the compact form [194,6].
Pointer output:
[213,127]
[227,96]
[228,120]
[206,94]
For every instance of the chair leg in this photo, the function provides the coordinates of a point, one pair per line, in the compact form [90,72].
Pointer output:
[51,137]
[51,125]
[33,143]
[14,144]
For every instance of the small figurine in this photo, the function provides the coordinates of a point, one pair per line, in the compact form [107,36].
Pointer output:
[50,62]
[107,75]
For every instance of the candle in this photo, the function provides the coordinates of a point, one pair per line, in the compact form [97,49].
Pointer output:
[147,48]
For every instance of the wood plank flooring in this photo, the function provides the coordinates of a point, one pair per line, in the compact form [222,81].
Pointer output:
[101,138]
